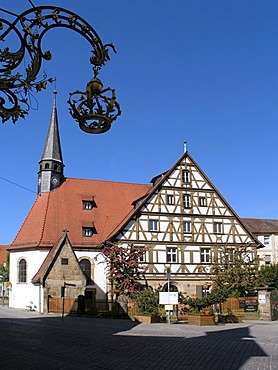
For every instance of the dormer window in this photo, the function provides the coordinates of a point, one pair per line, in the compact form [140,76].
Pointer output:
[88,204]
[88,231]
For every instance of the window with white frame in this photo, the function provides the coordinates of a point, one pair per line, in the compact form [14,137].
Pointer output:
[88,231]
[266,240]
[87,205]
[202,201]
[205,255]
[186,227]
[218,228]
[153,225]
[185,176]
[170,199]
[172,255]
[186,201]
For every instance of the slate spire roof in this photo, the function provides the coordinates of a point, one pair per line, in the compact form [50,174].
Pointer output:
[52,148]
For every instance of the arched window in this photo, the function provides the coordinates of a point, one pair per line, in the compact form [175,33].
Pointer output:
[55,167]
[22,271]
[46,166]
[86,267]
[173,288]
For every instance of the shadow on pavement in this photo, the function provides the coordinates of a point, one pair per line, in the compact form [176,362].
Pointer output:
[42,342]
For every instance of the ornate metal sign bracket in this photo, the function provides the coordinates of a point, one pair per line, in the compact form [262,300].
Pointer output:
[95,111]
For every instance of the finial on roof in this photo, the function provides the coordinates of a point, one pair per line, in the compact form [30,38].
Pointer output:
[184,146]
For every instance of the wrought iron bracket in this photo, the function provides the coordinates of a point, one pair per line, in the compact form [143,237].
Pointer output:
[30,27]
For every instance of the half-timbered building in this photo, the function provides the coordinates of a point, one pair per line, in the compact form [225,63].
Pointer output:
[183,222]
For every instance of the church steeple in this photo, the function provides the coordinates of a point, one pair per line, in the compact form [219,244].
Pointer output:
[51,163]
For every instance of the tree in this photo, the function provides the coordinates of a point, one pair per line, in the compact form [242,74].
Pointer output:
[269,275]
[124,267]
[148,302]
[235,271]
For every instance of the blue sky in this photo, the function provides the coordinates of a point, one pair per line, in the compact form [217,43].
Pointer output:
[201,71]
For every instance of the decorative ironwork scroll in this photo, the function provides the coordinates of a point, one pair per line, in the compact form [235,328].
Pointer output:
[29,28]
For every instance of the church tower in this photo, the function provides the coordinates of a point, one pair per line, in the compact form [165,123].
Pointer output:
[51,163]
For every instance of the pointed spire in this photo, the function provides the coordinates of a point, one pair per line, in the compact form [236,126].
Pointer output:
[52,149]
[51,163]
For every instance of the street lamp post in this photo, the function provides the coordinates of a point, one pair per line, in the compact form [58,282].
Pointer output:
[168,275]
[94,109]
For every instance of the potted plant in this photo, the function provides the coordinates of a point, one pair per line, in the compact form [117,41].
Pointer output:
[149,310]
[199,311]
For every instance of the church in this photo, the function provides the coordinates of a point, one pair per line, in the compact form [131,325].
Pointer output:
[180,218]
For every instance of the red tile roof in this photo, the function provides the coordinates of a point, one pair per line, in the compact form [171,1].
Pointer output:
[3,254]
[62,209]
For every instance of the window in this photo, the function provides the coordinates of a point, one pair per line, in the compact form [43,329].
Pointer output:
[88,231]
[267,259]
[266,240]
[172,255]
[185,176]
[153,225]
[205,255]
[46,166]
[87,204]
[217,228]
[64,261]
[186,201]
[202,201]
[170,199]
[22,271]
[186,227]
[85,265]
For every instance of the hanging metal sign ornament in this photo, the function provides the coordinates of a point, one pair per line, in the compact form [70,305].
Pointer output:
[95,110]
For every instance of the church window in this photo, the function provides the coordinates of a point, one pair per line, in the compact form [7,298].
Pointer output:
[202,201]
[46,166]
[186,201]
[172,254]
[22,271]
[186,227]
[153,225]
[55,167]
[85,265]
[185,176]
[64,261]
[205,255]
[217,228]
[170,199]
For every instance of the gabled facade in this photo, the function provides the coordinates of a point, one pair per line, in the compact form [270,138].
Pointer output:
[183,221]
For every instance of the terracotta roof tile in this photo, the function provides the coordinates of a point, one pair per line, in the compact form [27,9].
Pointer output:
[3,253]
[62,209]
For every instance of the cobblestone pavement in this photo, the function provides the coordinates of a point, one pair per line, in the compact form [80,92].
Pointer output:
[33,341]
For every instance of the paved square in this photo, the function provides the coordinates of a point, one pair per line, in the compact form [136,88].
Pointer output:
[34,341]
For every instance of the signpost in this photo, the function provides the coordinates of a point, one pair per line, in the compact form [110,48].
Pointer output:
[168,299]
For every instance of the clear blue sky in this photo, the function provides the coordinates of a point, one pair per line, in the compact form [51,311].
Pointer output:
[202,71]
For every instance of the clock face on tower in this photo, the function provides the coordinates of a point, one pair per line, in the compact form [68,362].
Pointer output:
[55,181]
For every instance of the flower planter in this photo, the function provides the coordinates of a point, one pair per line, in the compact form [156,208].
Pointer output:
[201,320]
[147,319]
